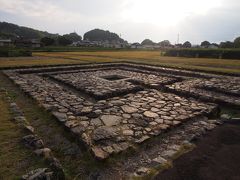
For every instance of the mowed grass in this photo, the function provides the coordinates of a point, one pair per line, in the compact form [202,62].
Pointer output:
[109,54]
[15,158]
[34,61]
[143,57]
[150,57]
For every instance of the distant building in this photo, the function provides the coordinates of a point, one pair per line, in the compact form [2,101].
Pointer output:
[196,46]
[152,46]
[178,46]
[22,43]
[6,43]
[85,43]
[136,46]
[145,46]
[212,46]
[106,44]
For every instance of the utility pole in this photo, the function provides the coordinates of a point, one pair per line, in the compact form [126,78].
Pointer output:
[178,37]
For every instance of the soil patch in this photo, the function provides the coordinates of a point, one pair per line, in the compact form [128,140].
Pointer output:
[216,157]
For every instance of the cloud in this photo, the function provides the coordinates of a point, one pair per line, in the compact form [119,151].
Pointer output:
[214,20]
[220,24]
[60,16]
[39,9]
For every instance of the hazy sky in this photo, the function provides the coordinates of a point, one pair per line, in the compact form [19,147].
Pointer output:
[135,20]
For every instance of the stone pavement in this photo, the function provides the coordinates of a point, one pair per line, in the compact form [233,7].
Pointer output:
[116,106]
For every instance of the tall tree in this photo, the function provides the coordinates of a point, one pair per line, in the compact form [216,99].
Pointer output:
[227,44]
[205,44]
[47,41]
[74,37]
[63,41]
[165,43]
[187,44]
[237,42]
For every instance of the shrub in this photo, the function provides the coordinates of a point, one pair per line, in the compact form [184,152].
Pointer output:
[205,53]
[14,52]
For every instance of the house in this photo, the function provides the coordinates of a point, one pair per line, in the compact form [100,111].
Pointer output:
[113,44]
[124,45]
[105,44]
[152,46]
[36,43]
[6,43]
[22,43]
[212,46]
[136,46]
[85,43]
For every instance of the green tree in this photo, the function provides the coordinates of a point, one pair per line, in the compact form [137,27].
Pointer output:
[237,42]
[205,44]
[63,41]
[147,42]
[101,35]
[74,37]
[47,41]
[187,44]
[227,44]
[165,43]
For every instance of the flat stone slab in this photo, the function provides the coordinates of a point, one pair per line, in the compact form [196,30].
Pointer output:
[129,109]
[104,132]
[111,120]
[150,114]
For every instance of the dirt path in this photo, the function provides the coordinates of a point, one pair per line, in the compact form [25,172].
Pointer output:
[217,157]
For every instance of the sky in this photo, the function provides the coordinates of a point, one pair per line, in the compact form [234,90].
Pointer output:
[133,20]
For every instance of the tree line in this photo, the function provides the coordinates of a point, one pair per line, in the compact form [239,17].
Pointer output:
[188,44]
[63,40]
[93,35]
[226,44]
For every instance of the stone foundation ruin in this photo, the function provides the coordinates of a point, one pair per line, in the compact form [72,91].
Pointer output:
[115,106]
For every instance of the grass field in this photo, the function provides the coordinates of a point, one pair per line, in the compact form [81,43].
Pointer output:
[34,61]
[145,57]
[150,57]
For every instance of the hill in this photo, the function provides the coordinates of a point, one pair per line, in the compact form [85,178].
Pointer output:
[13,31]
[147,42]
[101,35]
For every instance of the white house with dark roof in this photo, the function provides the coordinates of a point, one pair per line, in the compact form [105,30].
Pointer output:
[6,42]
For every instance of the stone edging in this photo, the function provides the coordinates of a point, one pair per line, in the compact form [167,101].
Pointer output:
[36,144]
[183,143]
